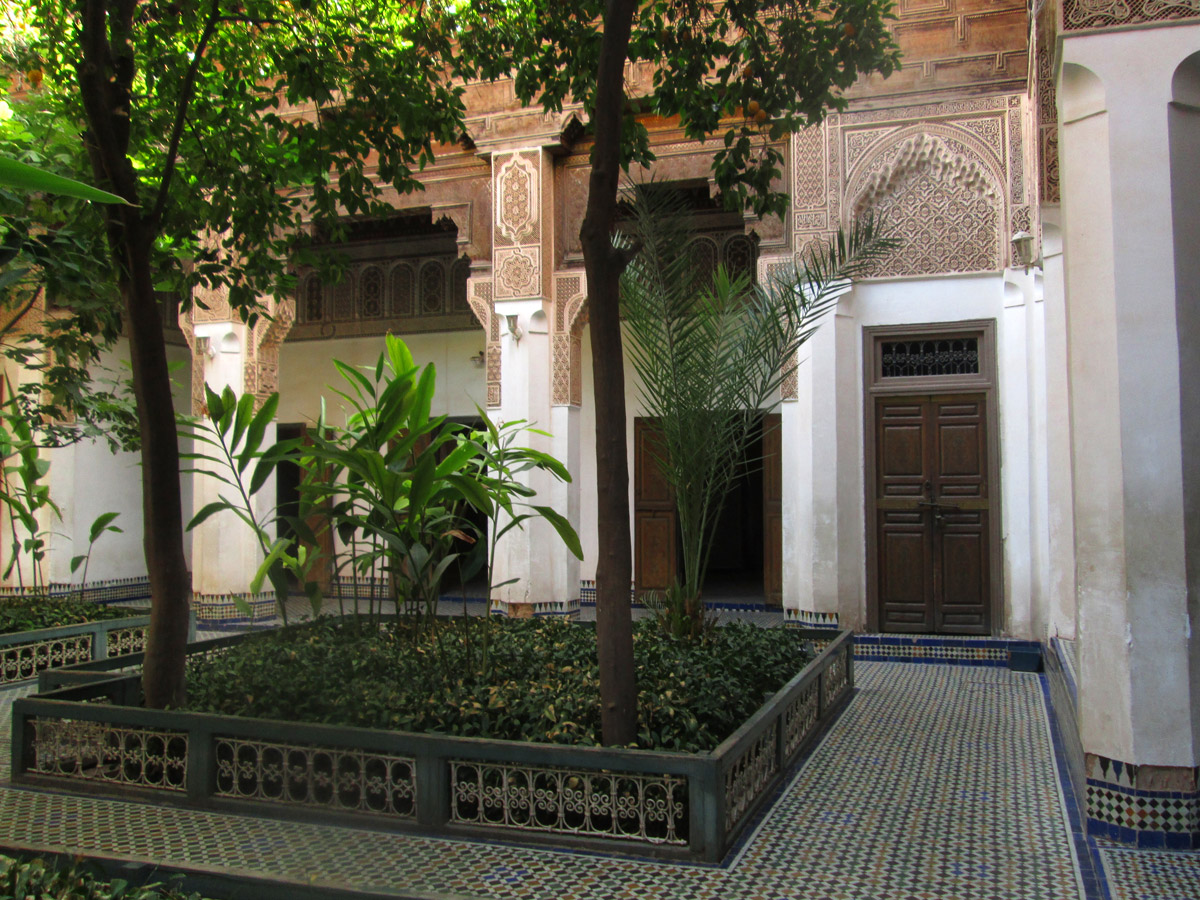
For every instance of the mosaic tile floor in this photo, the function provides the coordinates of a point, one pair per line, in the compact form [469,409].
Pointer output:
[1150,874]
[937,783]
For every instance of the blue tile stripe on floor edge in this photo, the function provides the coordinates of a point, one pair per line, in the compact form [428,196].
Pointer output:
[1088,862]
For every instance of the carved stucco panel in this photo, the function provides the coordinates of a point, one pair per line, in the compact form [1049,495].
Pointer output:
[569,317]
[479,297]
[808,150]
[518,273]
[1088,14]
[942,196]
[518,200]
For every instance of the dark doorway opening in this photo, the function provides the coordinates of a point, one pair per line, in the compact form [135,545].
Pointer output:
[745,563]
[454,586]
[735,568]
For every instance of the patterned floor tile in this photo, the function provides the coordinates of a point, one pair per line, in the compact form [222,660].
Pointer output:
[937,782]
[1151,874]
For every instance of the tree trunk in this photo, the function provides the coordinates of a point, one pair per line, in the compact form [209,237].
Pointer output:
[106,75]
[162,510]
[604,264]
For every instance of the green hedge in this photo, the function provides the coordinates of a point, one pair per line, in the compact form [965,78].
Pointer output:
[32,613]
[533,680]
[24,878]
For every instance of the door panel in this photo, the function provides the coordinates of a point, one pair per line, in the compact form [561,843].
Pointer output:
[654,548]
[932,514]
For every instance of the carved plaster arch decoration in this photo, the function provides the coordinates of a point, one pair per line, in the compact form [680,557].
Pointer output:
[941,189]
[261,365]
[479,298]
[570,315]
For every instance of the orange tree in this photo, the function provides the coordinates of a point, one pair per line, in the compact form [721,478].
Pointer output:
[748,72]
[227,126]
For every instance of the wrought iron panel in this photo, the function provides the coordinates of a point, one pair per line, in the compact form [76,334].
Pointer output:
[837,676]
[124,641]
[98,751]
[941,356]
[749,776]
[647,808]
[21,661]
[335,778]
[800,718]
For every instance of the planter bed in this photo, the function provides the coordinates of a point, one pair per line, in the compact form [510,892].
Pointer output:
[87,735]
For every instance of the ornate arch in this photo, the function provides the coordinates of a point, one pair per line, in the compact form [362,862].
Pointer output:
[570,315]
[479,298]
[371,293]
[941,191]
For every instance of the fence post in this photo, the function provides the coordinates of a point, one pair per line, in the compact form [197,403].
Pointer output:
[22,741]
[433,790]
[201,769]
[99,641]
[710,813]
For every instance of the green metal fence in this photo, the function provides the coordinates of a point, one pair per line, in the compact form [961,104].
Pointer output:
[89,733]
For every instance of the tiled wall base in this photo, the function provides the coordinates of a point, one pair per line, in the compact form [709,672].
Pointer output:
[1149,806]
[115,590]
[1144,806]
[587,597]
[365,588]
[222,609]
[959,651]
[587,592]
[803,618]
[1060,680]
[570,609]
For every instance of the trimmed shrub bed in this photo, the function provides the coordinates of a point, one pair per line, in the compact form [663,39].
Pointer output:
[528,680]
[35,877]
[33,613]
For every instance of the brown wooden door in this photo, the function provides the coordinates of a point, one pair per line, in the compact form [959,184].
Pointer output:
[933,553]
[772,509]
[317,522]
[654,546]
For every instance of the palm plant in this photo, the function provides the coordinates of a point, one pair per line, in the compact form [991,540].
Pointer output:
[711,351]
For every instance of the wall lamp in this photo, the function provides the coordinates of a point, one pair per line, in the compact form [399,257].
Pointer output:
[1022,243]
[477,360]
[204,346]
[513,328]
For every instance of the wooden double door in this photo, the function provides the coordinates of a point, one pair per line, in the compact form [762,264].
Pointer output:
[656,539]
[933,548]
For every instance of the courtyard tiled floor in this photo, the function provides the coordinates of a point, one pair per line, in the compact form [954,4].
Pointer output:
[937,783]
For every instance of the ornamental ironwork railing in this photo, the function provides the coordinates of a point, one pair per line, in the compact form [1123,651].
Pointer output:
[88,731]
[26,654]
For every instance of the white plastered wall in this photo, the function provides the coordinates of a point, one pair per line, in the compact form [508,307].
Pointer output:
[306,372]
[824,442]
[87,479]
[1130,462]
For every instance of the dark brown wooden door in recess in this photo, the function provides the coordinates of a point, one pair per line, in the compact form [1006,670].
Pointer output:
[288,479]
[933,553]
[772,450]
[654,550]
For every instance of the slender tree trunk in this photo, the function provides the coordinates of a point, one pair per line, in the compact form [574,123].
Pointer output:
[162,512]
[106,74]
[604,264]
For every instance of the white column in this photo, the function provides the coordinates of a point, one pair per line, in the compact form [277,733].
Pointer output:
[225,552]
[523,253]
[1060,474]
[812,536]
[1134,628]
[1014,454]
